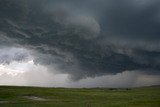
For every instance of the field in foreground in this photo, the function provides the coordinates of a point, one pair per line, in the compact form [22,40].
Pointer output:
[61,97]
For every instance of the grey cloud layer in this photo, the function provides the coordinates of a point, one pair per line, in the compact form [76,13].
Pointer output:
[86,38]
[8,55]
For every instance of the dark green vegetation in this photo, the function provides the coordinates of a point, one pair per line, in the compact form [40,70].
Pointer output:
[61,97]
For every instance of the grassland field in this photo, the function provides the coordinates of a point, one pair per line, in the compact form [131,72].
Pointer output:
[12,96]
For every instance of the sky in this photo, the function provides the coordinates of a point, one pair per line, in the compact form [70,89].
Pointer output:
[80,43]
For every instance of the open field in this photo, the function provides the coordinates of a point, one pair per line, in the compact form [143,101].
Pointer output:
[61,97]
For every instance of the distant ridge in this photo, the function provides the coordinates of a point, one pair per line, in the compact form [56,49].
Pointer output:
[11,86]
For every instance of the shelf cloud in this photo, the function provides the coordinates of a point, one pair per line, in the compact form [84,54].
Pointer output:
[86,38]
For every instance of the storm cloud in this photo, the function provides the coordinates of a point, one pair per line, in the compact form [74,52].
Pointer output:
[10,55]
[86,38]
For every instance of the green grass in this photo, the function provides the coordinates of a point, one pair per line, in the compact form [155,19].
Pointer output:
[97,97]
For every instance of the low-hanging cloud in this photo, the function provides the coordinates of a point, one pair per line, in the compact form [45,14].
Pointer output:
[103,37]
[9,55]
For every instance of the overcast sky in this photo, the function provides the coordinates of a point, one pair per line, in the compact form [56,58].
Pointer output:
[80,43]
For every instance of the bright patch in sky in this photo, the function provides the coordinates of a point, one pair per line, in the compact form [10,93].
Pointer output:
[15,68]
[9,71]
[29,74]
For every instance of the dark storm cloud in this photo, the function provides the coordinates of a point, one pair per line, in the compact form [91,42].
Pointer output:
[86,38]
[133,21]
